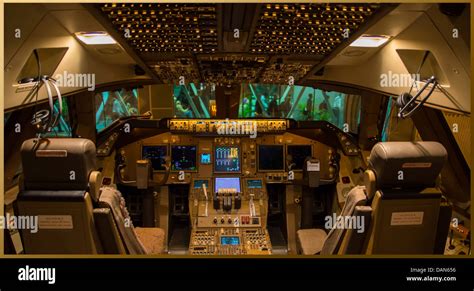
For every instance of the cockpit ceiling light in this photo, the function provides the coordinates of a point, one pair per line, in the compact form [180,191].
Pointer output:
[95,38]
[368,40]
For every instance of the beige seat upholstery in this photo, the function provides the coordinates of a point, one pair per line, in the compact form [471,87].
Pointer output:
[153,239]
[311,240]
[76,214]
[315,241]
[113,218]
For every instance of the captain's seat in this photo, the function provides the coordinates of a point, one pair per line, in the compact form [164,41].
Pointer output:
[76,215]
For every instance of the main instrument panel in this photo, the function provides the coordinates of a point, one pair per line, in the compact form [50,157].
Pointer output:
[227,165]
[270,157]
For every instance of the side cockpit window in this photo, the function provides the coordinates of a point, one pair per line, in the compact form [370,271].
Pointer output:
[398,129]
[63,127]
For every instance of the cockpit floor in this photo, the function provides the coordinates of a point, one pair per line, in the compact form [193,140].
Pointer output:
[279,244]
[179,241]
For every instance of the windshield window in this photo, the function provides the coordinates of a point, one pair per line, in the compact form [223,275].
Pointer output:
[300,103]
[194,101]
[112,105]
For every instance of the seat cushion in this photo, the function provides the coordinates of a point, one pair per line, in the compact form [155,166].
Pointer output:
[311,240]
[152,239]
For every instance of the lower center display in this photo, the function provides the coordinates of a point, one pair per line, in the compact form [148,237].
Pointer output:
[230,242]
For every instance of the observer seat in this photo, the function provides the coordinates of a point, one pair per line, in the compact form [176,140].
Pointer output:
[61,186]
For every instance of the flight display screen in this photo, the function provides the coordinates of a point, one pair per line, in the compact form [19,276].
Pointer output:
[230,240]
[199,183]
[254,184]
[227,183]
[156,155]
[226,159]
[183,158]
[270,158]
[299,153]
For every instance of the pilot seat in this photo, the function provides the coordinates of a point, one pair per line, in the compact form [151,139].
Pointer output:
[404,213]
[76,213]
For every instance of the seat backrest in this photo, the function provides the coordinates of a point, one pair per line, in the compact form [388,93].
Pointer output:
[354,239]
[58,190]
[114,219]
[350,217]
[108,232]
[401,179]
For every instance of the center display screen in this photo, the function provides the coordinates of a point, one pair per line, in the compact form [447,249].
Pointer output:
[227,183]
[226,159]
[183,158]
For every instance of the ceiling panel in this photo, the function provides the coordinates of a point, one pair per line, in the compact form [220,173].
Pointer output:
[183,39]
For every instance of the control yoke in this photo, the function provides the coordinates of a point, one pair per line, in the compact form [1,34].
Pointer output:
[144,173]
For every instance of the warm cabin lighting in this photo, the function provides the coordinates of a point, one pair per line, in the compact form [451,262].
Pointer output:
[95,38]
[367,40]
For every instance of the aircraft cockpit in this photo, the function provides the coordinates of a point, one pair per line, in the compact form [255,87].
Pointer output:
[287,129]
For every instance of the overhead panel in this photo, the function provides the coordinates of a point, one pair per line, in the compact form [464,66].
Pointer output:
[314,29]
[229,44]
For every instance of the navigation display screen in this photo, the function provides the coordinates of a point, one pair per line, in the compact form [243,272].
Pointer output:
[270,158]
[183,158]
[156,155]
[227,183]
[226,159]
[299,153]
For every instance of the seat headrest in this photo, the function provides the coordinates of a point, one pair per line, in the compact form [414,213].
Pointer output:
[407,164]
[57,163]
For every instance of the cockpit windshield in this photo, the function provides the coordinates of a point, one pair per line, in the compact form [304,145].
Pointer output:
[112,105]
[194,100]
[300,103]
